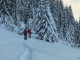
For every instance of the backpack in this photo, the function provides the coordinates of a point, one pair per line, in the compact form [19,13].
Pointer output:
[29,31]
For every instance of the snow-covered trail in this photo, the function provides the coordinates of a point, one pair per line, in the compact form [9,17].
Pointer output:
[26,54]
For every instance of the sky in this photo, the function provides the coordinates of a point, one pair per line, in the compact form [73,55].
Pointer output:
[75,7]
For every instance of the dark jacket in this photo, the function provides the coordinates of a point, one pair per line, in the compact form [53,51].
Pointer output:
[25,32]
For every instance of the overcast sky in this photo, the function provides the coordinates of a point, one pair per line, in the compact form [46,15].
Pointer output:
[75,7]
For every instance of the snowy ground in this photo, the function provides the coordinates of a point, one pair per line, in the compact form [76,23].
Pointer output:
[13,47]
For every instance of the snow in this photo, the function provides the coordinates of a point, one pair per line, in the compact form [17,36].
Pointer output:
[14,47]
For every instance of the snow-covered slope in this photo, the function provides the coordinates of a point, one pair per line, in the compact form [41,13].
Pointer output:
[13,47]
[52,51]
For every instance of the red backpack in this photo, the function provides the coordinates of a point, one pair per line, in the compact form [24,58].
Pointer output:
[29,31]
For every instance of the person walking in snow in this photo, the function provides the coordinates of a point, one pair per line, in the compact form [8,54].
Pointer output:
[25,34]
[29,33]
[28,28]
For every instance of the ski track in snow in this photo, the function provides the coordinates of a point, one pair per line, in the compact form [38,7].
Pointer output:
[26,54]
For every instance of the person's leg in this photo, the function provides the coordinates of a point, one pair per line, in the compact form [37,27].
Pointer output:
[25,37]
[29,35]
